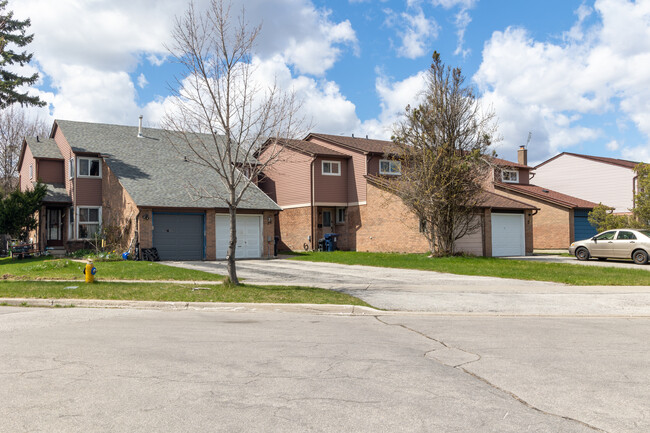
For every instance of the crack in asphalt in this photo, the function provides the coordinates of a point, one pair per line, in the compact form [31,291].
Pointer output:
[484,380]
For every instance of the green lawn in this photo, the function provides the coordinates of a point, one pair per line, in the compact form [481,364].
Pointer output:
[492,267]
[174,292]
[49,268]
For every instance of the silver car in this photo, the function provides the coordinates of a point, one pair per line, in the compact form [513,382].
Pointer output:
[615,244]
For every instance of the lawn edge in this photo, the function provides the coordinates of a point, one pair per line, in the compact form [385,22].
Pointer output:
[335,309]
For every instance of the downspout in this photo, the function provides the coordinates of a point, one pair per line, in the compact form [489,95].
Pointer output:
[311,182]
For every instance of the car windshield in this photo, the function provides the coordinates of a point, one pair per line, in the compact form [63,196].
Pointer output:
[645,232]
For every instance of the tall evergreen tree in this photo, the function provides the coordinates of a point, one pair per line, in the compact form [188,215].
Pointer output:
[12,34]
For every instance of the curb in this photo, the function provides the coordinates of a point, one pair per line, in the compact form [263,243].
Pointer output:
[349,310]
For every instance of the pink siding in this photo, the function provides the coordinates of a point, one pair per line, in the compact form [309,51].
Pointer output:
[330,189]
[373,164]
[589,180]
[89,192]
[28,159]
[66,151]
[356,171]
[524,176]
[50,171]
[288,180]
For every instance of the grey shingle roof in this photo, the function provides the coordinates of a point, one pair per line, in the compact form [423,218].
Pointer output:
[44,148]
[56,193]
[153,169]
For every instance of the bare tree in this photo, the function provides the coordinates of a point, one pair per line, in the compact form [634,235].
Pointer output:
[222,113]
[15,125]
[442,145]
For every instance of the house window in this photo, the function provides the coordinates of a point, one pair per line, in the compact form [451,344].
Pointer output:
[71,168]
[331,168]
[89,167]
[89,221]
[340,215]
[31,171]
[327,218]
[390,167]
[510,176]
[423,225]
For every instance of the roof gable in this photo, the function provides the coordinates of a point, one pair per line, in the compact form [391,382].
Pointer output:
[612,161]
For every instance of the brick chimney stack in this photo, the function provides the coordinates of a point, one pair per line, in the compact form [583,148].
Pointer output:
[522,155]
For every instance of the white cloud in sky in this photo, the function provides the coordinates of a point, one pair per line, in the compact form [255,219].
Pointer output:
[613,145]
[462,20]
[90,61]
[546,87]
[142,81]
[414,29]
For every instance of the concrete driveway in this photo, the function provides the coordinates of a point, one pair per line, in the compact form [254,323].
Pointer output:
[609,263]
[413,290]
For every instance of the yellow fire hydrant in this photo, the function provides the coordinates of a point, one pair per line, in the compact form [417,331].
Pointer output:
[90,271]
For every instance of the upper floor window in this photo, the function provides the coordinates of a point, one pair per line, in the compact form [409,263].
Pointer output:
[388,166]
[31,171]
[89,167]
[331,168]
[510,176]
[71,168]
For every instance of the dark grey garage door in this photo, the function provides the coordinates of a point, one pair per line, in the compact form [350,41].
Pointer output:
[178,236]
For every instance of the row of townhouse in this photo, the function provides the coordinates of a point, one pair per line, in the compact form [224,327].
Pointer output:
[135,181]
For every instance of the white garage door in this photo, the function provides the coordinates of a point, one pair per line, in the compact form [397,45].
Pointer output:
[508,235]
[249,236]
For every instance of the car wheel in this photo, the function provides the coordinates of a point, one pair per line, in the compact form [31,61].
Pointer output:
[640,257]
[582,253]
[602,259]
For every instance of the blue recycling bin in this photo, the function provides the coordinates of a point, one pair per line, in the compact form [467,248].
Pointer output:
[330,241]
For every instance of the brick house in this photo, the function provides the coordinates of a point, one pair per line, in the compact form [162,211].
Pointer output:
[610,181]
[332,184]
[560,218]
[136,184]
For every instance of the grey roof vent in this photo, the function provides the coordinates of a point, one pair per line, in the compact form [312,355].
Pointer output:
[140,127]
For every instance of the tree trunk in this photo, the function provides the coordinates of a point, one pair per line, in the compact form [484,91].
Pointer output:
[232,246]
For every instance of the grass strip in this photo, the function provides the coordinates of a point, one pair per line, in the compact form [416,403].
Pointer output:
[49,268]
[175,292]
[489,266]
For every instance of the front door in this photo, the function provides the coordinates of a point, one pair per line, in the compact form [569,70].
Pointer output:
[53,227]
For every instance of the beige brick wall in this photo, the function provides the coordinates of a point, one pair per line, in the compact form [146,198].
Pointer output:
[145,228]
[268,233]
[210,235]
[386,225]
[551,226]
[292,225]
[119,211]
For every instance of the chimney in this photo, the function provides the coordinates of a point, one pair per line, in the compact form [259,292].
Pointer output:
[522,155]
[352,135]
[140,127]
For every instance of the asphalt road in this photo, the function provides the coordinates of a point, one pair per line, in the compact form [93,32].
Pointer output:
[79,370]
[426,291]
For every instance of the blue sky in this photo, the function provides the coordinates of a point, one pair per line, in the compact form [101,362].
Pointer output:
[576,74]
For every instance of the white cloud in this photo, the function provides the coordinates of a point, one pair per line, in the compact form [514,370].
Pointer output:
[89,50]
[613,145]
[462,20]
[548,87]
[415,30]
[142,81]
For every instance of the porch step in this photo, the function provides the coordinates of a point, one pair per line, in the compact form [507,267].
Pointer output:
[56,251]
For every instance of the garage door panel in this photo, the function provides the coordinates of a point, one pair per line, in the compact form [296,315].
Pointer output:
[249,236]
[508,235]
[178,236]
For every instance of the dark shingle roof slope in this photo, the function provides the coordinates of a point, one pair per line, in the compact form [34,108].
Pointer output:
[368,145]
[311,148]
[613,161]
[153,169]
[44,148]
[56,193]
[548,195]
[505,163]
